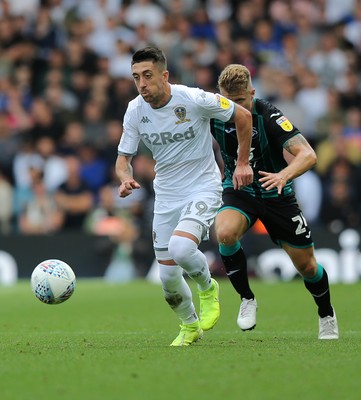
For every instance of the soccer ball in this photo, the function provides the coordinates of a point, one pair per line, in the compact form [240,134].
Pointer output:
[53,281]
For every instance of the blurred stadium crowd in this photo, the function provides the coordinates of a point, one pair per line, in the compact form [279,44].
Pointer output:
[65,82]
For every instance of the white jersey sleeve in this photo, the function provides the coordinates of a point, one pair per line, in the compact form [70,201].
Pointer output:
[129,141]
[215,106]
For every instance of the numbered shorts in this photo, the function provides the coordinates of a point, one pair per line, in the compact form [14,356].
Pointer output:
[200,208]
[280,215]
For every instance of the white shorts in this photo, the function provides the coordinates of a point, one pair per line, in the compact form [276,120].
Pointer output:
[200,208]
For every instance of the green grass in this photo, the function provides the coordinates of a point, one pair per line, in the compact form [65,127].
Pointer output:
[112,342]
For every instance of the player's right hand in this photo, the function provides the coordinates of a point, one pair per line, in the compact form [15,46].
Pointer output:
[126,187]
[242,176]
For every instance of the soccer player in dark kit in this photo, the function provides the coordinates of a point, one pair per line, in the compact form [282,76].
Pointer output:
[279,153]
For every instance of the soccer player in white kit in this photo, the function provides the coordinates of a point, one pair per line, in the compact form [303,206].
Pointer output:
[173,121]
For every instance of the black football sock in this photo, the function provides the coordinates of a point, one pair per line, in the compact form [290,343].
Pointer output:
[320,290]
[236,268]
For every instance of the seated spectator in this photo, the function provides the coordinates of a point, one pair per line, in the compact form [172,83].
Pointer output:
[6,201]
[93,169]
[106,220]
[94,124]
[74,197]
[352,129]
[334,146]
[349,88]
[285,100]
[44,123]
[54,166]
[313,98]
[334,112]
[340,204]
[72,139]
[10,142]
[40,214]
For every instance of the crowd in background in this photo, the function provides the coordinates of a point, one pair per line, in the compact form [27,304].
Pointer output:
[65,82]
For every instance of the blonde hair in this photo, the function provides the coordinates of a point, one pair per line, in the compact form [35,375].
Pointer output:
[235,78]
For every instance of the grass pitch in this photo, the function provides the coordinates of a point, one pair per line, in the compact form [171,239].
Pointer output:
[111,341]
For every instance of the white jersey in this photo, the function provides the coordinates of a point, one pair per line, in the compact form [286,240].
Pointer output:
[178,135]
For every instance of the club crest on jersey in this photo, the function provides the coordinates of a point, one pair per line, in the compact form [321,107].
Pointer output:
[223,102]
[284,123]
[181,113]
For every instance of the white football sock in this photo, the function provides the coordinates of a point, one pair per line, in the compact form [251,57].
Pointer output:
[177,293]
[185,253]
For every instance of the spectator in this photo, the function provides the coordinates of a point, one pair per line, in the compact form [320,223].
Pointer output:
[145,12]
[340,204]
[73,197]
[72,139]
[10,142]
[105,220]
[44,122]
[94,124]
[6,201]
[350,90]
[54,166]
[353,27]
[335,146]
[313,98]
[334,112]
[286,100]
[93,169]
[265,43]
[40,214]
[245,16]
[308,35]
[328,62]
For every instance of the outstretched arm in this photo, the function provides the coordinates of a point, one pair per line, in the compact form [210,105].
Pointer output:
[243,173]
[300,157]
[124,172]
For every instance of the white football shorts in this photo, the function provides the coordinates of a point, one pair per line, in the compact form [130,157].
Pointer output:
[196,212]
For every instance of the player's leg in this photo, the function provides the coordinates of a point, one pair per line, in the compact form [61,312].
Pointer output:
[316,282]
[176,290]
[179,297]
[197,216]
[230,226]
[183,248]
[288,227]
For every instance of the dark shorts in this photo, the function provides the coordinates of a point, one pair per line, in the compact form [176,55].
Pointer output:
[281,216]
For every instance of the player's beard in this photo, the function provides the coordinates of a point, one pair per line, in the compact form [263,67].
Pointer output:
[154,100]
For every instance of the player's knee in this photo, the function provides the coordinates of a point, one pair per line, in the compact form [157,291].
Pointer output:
[307,269]
[181,249]
[226,236]
[169,276]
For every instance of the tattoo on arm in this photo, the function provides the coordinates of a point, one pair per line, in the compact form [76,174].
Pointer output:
[297,140]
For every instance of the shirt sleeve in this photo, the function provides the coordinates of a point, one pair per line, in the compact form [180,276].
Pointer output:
[129,141]
[280,127]
[214,105]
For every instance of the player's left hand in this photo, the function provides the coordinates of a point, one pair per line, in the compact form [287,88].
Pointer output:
[243,176]
[271,180]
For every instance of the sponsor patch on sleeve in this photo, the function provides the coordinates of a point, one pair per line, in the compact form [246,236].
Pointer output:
[284,123]
[223,102]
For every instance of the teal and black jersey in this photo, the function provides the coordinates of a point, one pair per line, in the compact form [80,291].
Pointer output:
[271,130]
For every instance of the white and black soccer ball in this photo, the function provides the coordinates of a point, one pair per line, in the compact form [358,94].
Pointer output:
[53,281]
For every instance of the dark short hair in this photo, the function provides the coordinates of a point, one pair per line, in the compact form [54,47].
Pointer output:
[150,53]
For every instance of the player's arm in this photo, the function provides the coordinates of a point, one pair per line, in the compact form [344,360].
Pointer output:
[243,173]
[218,156]
[304,157]
[300,157]
[124,172]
